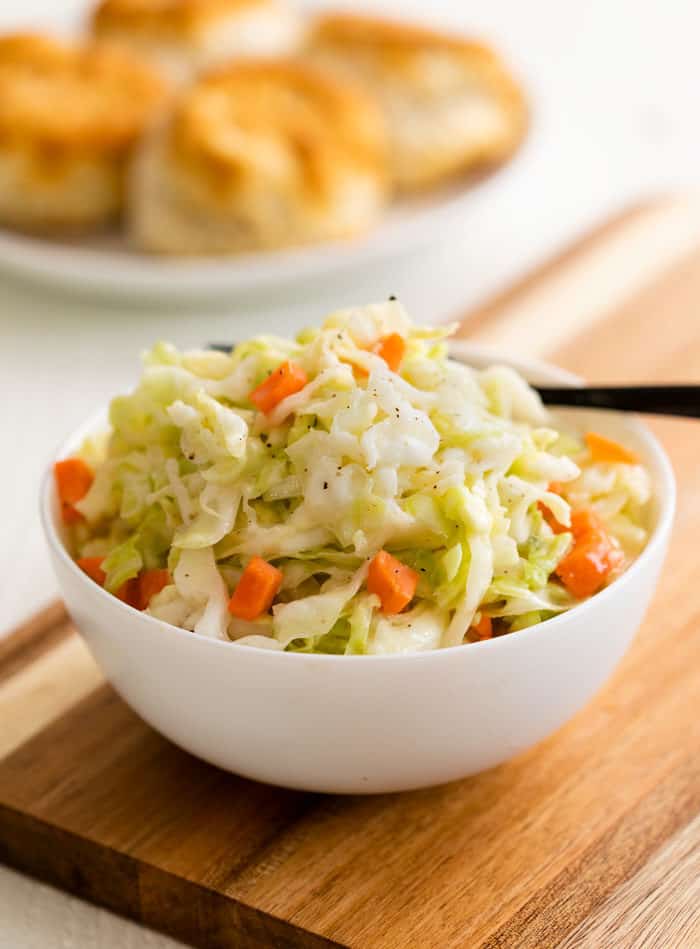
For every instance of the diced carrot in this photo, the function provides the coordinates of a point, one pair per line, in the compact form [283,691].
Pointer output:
[584,569]
[392,581]
[483,629]
[604,449]
[594,556]
[284,381]
[130,593]
[256,590]
[150,583]
[138,591]
[92,566]
[73,479]
[392,349]
[69,514]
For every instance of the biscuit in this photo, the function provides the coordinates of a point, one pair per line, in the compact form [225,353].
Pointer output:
[184,36]
[451,106]
[258,155]
[69,118]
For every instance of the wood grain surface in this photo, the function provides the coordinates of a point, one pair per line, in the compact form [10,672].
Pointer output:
[591,839]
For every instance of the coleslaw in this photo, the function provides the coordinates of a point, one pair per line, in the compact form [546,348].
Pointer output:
[353,491]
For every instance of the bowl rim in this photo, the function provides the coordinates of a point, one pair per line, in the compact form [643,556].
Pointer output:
[665,494]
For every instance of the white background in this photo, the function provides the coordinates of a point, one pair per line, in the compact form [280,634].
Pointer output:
[615,88]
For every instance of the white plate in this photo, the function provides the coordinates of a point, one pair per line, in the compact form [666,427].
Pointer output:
[107,266]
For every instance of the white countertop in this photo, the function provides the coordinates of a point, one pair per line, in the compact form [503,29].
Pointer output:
[615,90]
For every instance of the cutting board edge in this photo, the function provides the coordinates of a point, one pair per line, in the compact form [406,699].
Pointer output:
[58,857]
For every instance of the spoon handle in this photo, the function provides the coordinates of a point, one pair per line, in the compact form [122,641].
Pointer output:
[656,400]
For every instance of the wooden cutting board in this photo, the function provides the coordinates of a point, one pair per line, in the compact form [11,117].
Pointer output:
[592,839]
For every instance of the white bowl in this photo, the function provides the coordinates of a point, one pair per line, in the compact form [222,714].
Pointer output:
[361,724]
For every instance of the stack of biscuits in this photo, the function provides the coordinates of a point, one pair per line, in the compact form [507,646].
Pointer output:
[229,126]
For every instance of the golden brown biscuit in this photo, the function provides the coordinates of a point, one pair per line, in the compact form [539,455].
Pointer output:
[69,117]
[259,155]
[183,36]
[450,104]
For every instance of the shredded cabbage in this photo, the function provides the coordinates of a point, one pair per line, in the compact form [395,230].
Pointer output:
[460,474]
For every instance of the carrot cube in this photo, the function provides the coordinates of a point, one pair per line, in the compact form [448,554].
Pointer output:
[256,590]
[594,556]
[74,478]
[392,581]
[92,566]
[130,593]
[150,583]
[392,349]
[604,449]
[284,381]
